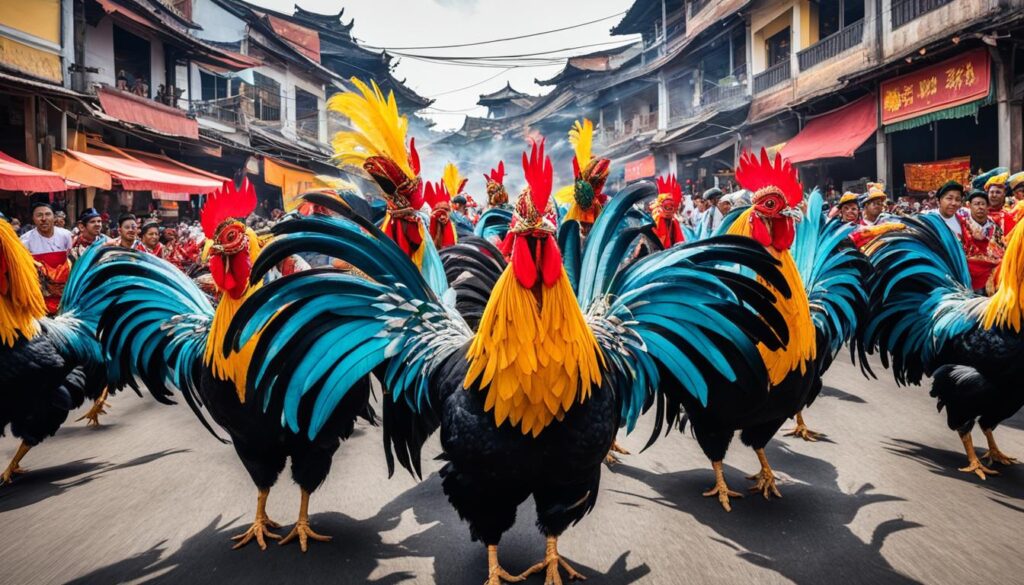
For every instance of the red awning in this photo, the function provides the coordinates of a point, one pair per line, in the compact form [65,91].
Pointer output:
[131,108]
[150,173]
[18,176]
[837,134]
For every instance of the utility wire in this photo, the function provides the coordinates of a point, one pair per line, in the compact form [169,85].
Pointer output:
[498,74]
[526,36]
[620,42]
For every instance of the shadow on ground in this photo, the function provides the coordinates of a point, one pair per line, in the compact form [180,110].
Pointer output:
[358,552]
[1009,482]
[805,537]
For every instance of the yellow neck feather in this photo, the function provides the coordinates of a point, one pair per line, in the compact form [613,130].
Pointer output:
[534,361]
[232,366]
[796,310]
[1006,307]
[22,306]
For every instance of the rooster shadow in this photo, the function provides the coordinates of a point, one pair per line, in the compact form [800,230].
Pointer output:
[814,515]
[359,552]
[945,462]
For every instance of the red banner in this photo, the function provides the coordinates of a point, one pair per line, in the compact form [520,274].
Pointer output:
[640,169]
[925,177]
[953,82]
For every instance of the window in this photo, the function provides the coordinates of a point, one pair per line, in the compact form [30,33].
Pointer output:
[835,15]
[307,114]
[131,63]
[215,87]
[267,98]
[777,47]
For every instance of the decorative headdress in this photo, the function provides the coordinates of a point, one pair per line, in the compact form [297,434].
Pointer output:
[669,189]
[496,192]
[591,173]
[996,176]
[378,143]
[875,191]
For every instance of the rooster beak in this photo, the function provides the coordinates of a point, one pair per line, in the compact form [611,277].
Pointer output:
[793,212]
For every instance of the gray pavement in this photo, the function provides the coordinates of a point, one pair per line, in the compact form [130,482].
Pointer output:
[150,497]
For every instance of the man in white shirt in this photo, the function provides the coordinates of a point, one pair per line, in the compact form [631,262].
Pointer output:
[46,236]
[713,216]
[950,197]
[49,246]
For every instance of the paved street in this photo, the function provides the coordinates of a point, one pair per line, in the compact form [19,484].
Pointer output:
[151,498]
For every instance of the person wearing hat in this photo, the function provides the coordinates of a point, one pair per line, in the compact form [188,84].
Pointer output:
[874,206]
[1016,186]
[49,246]
[712,217]
[995,187]
[90,231]
[950,201]
[848,209]
[982,240]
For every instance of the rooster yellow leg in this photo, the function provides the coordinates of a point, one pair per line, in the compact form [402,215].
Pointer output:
[496,575]
[98,408]
[994,454]
[260,529]
[973,464]
[301,530]
[721,489]
[765,478]
[551,564]
[610,459]
[801,430]
[13,466]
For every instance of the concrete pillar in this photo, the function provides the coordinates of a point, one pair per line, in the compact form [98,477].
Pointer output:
[796,37]
[1003,123]
[663,101]
[882,158]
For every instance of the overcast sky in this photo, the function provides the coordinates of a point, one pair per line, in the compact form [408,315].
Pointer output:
[420,23]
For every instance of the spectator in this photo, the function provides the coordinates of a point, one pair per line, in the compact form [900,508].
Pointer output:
[149,235]
[127,233]
[950,198]
[90,232]
[49,246]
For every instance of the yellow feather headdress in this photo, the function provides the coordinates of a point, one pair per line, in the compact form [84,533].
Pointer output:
[378,129]
[453,181]
[581,136]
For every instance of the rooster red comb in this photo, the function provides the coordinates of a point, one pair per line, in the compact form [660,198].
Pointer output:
[414,156]
[226,203]
[539,175]
[497,175]
[435,193]
[760,177]
[668,185]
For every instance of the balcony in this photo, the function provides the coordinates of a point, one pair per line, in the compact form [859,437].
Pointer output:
[228,110]
[720,94]
[772,76]
[904,11]
[832,45]
[637,124]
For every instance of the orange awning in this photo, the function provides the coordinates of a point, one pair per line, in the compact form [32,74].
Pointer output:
[837,134]
[18,176]
[149,172]
[82,173]
[292,179]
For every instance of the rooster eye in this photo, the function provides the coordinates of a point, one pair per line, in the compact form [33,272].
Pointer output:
[769,204]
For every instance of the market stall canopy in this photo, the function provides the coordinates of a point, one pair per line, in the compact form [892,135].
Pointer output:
[18,176]
[292,179]
[134,109]
[837,134]
[148,172]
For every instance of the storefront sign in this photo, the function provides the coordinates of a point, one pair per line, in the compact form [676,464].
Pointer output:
[640,169]
[925,177]
[954,82]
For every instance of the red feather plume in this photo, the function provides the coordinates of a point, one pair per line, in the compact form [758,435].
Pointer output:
[414,157]
[225,203]
[671,186]
[755,174]
[539,175]
[435,193]
[497,175]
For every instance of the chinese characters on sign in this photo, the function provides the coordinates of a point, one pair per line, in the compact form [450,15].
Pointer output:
[951,83]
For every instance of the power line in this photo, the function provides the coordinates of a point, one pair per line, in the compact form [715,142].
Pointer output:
[621,43]
[527,36]
[498,74]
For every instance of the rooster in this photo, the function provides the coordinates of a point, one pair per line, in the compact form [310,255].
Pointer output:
[585,197]
[48,366]
[927,321]
[794,370]
[494,221]
[664,210]
[528,401]
[439,197]
[157,326]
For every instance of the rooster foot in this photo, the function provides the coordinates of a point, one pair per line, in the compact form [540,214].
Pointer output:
[260,531]
[496,574]
[14,466]
[551,566]
[978,469]
[721,489]
[92,417]
[801,431]
[996,456]
[610,459]
[766,484]
[303,533]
